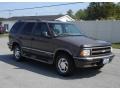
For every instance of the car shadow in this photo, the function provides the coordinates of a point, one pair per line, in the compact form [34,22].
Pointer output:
[45,69]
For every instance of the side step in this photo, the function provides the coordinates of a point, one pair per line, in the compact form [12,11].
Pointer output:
[38,58]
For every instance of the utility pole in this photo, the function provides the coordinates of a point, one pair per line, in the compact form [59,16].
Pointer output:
[10,13]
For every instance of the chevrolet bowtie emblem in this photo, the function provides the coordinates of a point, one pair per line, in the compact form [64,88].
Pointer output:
[103,51]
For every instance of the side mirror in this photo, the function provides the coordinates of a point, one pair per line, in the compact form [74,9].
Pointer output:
[45,34]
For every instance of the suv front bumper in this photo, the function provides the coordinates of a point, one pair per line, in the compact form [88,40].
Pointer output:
[91,61]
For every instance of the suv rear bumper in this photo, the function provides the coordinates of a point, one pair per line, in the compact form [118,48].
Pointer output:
[91,61]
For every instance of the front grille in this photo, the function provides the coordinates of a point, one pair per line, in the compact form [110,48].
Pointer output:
[100,50]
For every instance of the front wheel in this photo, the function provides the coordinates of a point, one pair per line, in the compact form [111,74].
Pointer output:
[17,53]
[64,65]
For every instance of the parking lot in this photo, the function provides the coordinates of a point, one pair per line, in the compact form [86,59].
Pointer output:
[30,73]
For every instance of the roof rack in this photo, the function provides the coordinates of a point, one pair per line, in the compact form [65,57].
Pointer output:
[38,20]
[21,20]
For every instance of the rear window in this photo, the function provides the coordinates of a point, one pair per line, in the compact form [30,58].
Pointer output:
[27,29]
[16,27]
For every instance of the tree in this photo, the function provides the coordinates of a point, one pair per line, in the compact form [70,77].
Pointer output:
[80,14]
[70,13]
[117,16]
[100,10]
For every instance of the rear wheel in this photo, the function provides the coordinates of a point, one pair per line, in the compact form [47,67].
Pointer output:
[64,65]
[17,53]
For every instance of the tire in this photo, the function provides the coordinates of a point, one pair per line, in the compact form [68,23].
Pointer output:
[64,65]
[17,53]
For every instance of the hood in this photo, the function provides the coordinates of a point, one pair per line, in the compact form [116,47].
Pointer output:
[83,41]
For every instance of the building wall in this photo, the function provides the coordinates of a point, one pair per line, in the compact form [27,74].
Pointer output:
[9,23]
[104,30]
[65,18]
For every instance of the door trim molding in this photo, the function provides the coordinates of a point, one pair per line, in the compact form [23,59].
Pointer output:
[38,50]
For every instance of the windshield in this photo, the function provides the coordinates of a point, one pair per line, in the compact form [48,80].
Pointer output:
[61,29]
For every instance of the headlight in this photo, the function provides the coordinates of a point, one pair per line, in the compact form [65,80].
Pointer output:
[85,53]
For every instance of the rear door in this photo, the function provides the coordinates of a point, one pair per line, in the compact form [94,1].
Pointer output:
[25,35]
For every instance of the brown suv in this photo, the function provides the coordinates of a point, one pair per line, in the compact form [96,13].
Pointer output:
[58,43]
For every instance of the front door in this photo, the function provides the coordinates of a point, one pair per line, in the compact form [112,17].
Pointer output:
[41,45]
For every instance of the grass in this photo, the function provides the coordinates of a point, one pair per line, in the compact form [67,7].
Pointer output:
[4,35]
[116,45]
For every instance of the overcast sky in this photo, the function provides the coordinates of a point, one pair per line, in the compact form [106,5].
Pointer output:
[41,11]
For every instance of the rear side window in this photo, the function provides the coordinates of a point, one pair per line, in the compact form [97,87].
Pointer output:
[27,29]
[40,28]
[16,27]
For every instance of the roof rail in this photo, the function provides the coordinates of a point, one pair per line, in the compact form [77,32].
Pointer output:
[21,20]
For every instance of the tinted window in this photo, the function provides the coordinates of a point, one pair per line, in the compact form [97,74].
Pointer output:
[16,27]
[40,27]
[27,29]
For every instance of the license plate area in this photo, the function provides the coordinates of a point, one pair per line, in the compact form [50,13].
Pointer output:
[106,60]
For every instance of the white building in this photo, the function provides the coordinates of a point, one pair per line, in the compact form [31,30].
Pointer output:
[9,22]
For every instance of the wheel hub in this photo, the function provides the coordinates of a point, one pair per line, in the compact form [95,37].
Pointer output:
[63,65]
[17,53]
